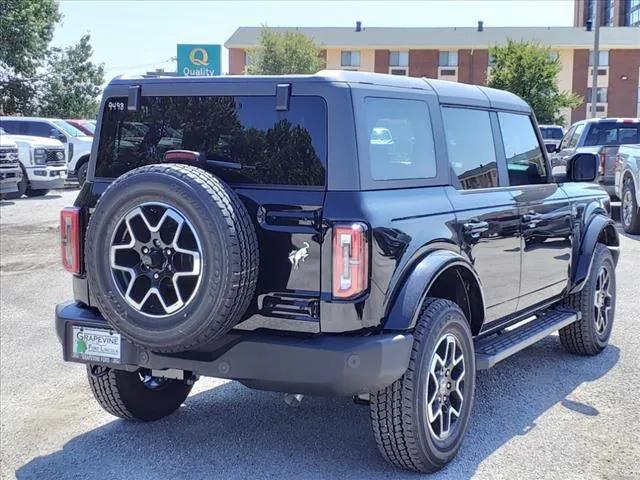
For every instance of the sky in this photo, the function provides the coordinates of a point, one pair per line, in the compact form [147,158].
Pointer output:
[136,36]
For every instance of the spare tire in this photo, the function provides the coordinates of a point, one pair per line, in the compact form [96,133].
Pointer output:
[172,257]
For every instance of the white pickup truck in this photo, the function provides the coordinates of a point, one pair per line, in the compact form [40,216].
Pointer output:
[43,165]
[10,171]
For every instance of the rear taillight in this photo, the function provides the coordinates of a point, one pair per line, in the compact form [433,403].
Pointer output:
[603,157]
[70,243]
[350,260]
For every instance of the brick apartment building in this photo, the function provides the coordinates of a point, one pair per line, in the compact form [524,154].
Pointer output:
[461,53]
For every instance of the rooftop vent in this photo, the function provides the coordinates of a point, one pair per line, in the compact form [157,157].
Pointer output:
[358,26]
[480,25]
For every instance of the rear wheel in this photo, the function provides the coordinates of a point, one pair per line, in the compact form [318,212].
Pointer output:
[629,209]
[82,173]
[597,303]
[136,395]
[420,420]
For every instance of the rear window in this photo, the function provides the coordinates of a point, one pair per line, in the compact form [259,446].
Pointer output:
[551,133]
[612,134]
[260,144]
[400,139]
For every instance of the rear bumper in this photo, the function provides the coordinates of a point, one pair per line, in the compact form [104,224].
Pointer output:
[320,365]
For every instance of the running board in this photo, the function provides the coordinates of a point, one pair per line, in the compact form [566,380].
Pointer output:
[495,348]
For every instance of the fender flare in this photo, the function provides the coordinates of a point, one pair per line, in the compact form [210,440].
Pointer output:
[407,302]
[593,231]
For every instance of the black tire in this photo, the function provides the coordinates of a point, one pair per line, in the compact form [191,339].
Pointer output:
[125,395]
[36,193]
[82,173]
[630,224]
[582,337]
[398,413]
[229,263]
[23,184]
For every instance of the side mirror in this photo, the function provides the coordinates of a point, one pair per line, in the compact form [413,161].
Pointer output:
[551,148]
[56,135]
[582,167]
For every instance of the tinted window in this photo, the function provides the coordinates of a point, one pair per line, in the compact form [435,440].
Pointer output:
[400,139]
[70,129]
[263,146]
[472,154]
[567,137]
[525,160]
[13,126]
[39,129]
[612,134]
[551,133]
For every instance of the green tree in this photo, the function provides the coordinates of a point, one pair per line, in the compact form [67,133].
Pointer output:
[26,28]
[72,83]
[530,71]
[285,53]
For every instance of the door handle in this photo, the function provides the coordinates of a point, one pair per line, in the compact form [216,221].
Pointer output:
[532,219]
[475,228]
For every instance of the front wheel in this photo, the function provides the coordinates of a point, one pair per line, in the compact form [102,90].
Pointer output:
[136,395]
[82,173]
[597,303]
[420,420]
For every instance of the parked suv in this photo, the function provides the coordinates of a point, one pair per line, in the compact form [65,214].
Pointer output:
[342,233]
[77,143]
[602,136]
[42,163]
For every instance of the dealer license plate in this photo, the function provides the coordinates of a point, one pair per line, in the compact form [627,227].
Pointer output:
[96,344]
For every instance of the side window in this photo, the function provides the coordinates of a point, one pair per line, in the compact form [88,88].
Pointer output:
[39,129]
[472,154]
[575,138]
[567,138]
[12,126]
[400,139]
[525,160]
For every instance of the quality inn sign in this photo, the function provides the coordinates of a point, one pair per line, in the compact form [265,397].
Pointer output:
[198,60]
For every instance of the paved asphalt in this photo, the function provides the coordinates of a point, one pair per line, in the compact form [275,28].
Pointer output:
[540,414]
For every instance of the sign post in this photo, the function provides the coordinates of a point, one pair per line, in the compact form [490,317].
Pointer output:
[198,60]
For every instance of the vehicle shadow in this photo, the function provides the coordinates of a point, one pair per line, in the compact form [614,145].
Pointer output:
[232,432]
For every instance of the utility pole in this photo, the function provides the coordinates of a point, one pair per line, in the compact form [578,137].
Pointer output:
[596,47]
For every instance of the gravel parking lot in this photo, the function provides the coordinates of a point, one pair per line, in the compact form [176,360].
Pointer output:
[540,414]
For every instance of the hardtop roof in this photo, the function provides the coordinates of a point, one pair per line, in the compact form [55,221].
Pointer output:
[448,92]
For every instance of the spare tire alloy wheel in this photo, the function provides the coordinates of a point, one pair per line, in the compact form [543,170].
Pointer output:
[172,257]
[156,266]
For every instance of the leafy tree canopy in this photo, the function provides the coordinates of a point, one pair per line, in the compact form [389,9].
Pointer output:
[530,71]
[285,53]
[36,79]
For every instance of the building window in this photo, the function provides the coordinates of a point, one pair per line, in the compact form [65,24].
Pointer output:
[632,13]
[448,59]
[399,71]
[350,58]
[492,61]
[609,13]
[398,59]
[603,58]
[601,95]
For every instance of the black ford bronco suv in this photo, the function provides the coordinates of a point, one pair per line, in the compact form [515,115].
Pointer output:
[343,233]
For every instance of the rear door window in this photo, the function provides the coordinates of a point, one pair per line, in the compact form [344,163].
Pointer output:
[612,134]
[472,153]
[399,139]
[259,144]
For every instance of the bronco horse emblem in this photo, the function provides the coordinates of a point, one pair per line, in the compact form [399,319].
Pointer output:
[297,256]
